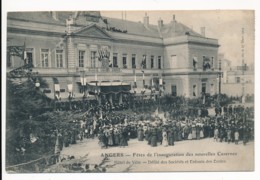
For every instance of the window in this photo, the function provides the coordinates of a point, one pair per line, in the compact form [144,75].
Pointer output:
[174,90]
[238,80]
[59,58]
[93,59]
[124,59]
[173,63]
[133,61]
[159,62]
[29,55]
[45,57]
[143,64]
[152,62]
[194,91]
[115,60]
[203,88]
[81,58]
[206,63]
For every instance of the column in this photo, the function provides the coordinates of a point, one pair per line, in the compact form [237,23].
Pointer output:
[71,53]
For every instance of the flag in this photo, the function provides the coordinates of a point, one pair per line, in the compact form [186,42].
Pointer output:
[134,77]
[204,99]
[156,112]
[25,55]
[33,139]
[57,145]
[143,64]
[160,82]
[57,87]
[16,51]
[70,87]
[195,60]
[143,80]
[135,85]
[83,81]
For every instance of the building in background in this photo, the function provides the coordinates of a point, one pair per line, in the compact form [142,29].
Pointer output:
[237,78]
[74,51]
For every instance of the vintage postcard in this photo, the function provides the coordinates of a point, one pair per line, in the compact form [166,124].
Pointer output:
[130,91]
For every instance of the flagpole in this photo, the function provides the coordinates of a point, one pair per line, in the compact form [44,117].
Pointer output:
[84,83]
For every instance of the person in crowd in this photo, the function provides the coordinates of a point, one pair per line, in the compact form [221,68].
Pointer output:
[164,138]
[153,137]
[140,133]
[236,135]
[170,136]
[229,135]
[216,134]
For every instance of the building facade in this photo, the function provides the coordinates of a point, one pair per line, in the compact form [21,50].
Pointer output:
[79,48]
[237,81]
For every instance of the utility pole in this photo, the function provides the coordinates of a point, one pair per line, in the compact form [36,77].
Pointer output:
[83,88]
[220,76]
[243,64]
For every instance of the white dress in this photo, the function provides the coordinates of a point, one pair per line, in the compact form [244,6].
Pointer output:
[164,141]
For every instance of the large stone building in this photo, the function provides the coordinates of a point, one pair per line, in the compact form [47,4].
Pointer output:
[80,48]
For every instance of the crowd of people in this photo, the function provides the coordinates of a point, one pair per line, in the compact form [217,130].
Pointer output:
[115,126]
[230,124]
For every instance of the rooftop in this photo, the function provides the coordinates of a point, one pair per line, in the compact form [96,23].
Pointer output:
[82,18]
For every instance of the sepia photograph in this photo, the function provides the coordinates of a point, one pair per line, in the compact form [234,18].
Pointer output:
[130,91]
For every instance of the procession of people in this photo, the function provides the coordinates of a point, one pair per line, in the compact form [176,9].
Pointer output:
[114,127]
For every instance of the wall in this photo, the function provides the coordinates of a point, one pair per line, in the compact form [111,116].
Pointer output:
[236,89]
[181,51]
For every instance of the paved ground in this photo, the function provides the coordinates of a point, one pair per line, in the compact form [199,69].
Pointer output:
[191,155]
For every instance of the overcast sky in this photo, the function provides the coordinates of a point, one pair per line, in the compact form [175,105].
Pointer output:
[226,26]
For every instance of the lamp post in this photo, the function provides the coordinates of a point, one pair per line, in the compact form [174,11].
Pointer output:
[97,92]
[160,91]
[37,84]
[83,88]
[143,92]
[219,82]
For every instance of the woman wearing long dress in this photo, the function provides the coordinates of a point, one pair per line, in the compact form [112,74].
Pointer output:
[201,133]
[193,132]
[198,132]
[170,137]
[102,139]
[165,139]
[116,137]
[110,137]
[216,134]
[140,134]
[154,137]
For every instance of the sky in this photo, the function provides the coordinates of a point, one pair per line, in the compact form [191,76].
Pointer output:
[224,25]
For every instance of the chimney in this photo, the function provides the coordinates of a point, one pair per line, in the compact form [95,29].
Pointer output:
[54,15]
[160,23]
[203,31]
[146,20]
